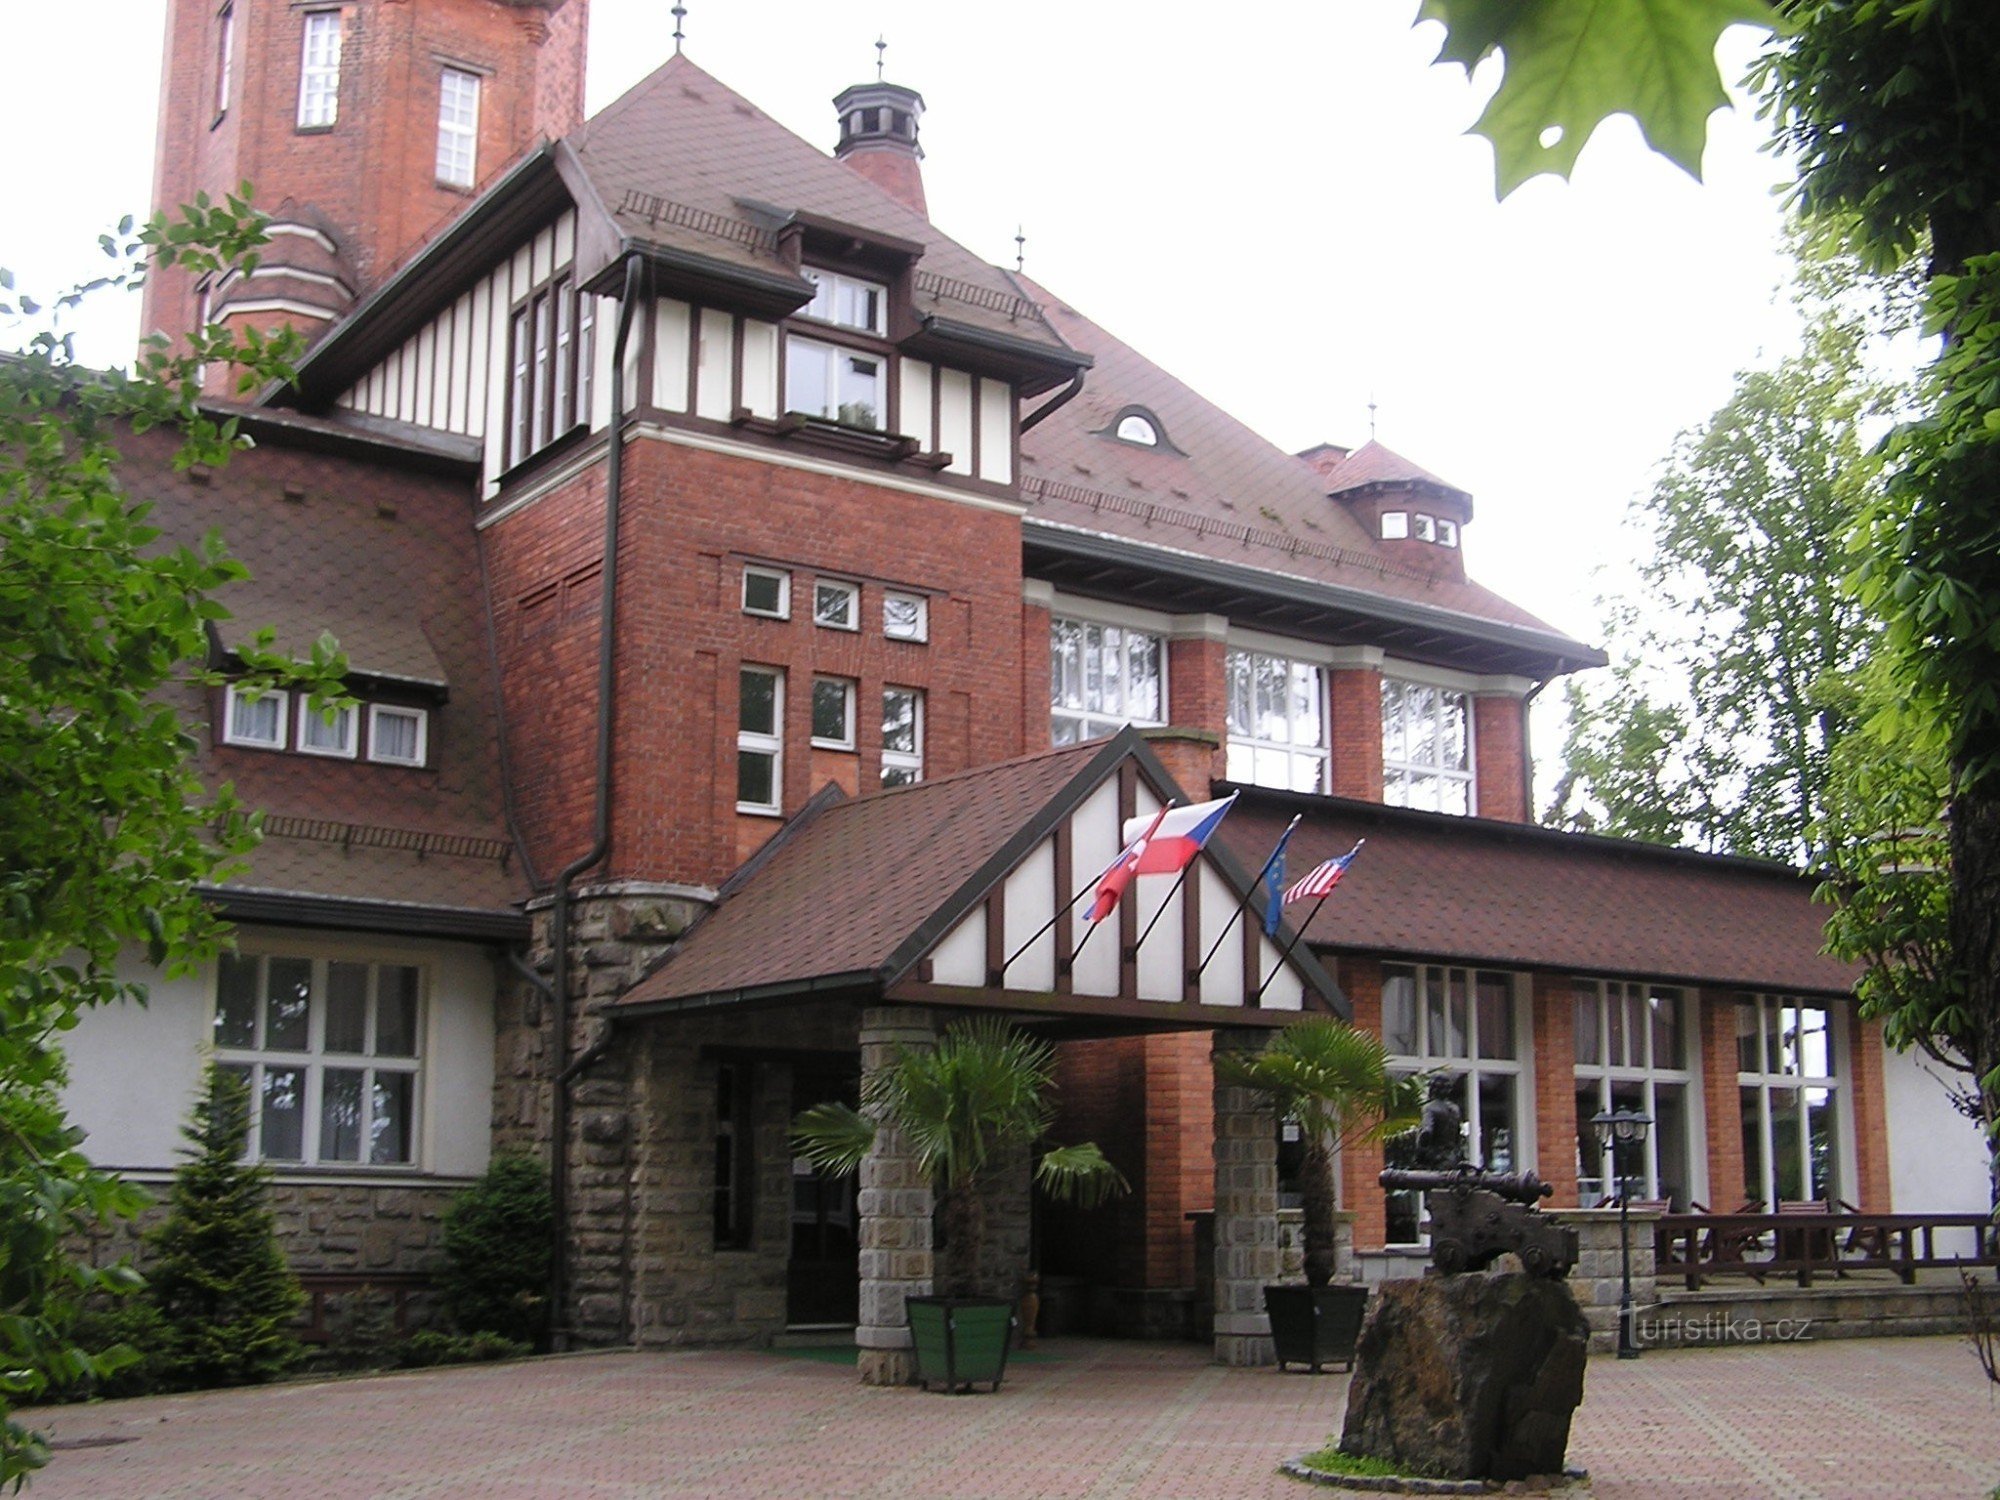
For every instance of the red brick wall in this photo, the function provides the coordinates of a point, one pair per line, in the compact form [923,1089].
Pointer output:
[1498,752]
[1356,695]
[1554,1017]
[1197,698]
[1361,1163]
[1718,1067]
[1034,678]
[1871,1118]
[1103,1096]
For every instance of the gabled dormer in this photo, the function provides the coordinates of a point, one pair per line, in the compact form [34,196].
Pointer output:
[1416,517]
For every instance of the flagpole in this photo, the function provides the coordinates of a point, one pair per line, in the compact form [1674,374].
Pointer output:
[1179,881]
[1300,932]
[1243,902]
[1042,931]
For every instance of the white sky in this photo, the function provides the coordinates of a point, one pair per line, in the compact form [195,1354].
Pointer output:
[1275,201]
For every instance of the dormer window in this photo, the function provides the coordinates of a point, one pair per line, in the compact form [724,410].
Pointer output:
[1138,429]
[1425,528]
[1447,532]
[1395,525]
[847,301]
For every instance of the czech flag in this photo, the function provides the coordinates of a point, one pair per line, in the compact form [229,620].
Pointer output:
[1174,838]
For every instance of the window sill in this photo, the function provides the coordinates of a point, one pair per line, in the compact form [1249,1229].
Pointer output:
[554,448]
[844,746]
[822,432]
[326,129]
[752,810]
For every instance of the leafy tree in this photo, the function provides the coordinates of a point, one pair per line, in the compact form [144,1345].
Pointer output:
[498,1236]
[105,831]
[218,1276]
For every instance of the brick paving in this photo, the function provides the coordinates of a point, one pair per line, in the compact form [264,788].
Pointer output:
[1888,1417]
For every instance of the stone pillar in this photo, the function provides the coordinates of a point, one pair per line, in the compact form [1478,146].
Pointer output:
[1246,1213]
[895,1206]
[1598,1278]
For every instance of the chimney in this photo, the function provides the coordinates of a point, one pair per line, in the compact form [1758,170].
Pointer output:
[878,139]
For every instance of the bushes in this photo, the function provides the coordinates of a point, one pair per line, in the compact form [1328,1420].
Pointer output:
[496,1252]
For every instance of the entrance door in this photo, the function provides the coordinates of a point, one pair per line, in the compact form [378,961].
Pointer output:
[824,1282]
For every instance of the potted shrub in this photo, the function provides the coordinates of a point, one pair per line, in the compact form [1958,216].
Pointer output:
[984,1091]
[1334,1081]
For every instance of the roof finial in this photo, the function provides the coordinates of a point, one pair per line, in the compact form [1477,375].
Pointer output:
[881,49]
[1020,249]
[680,14]
[1371,416]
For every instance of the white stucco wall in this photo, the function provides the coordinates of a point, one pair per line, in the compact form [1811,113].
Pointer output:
[1937,1163]
[134,1070]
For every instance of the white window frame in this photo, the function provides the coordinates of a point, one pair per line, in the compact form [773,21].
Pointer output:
[1648,1074]
[551,335]
[315,1061]
[1423,527]
[319,79]
[1408,767]
[829,288]
[836,588]
[379,711]
[1447,534]
[232,733]
[920,630]
[912,761]
[801,349]
[1307,763]
[778,576]
[458,137]
[1138,430]
[769,744]
[849,690]
[1765,1082]
[1080,708]
[1395,525]
[225,56]
[343,716]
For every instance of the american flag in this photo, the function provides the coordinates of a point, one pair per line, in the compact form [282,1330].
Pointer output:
[1323,878]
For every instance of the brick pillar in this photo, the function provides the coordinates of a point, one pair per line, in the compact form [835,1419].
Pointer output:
[1555,1086]
[1356,701]
[895,1207]
[1361,1161]
[1246,1213]
[1724,1113]
[1193,757]
[1499,757]
[1198,680]
[1036,599]
[1871,1120]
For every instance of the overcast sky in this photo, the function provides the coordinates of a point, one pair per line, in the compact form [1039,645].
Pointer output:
[1275,201]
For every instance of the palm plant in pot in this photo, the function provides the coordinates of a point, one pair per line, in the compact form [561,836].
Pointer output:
[966,1108]
[1335,1083]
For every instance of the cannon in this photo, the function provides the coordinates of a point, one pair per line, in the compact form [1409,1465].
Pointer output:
[1476,1217]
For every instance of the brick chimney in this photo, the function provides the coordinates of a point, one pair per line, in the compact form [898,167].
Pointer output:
[878,139]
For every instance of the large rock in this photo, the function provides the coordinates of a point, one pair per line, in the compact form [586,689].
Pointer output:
[1468,1377]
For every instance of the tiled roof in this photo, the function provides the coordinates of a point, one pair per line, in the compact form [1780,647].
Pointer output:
[1372,463]
[1228,494]
[299,592]
[1471,890]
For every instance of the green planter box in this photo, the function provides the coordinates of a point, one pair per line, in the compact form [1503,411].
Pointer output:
[960,1341]
[1316,1325]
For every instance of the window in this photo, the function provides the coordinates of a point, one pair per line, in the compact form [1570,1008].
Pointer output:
[548,363]
[1788,1086]
[833,713]
[458,127]
[1101,678]
[733,1156]
[257,721]
[840,385]
[1632,1053]
[1447,532]
[760,719]
[906,617]
[398,736]
[1277,722]
[225,57]
[1395,525]
[1424,527]
[1463,1025]
[319,71]
[836,605]
[1426,747]
[330,1049]
[902,736]
[767,591]
[321,735]
[847,301]
[1136,429]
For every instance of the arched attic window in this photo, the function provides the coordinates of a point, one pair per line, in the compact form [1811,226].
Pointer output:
[1141,428]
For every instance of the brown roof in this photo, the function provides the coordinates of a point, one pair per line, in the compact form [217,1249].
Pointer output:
[1372,463]
[1430,885]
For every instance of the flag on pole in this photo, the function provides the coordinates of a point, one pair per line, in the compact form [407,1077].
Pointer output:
[1112,883]
[1324,877]
[1274,881]
[1173,839]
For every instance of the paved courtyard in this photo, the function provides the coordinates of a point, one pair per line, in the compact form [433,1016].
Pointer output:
[1890,1417]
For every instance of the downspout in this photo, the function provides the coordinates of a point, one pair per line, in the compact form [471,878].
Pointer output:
[607,627]
[1528,748]
[1062,398]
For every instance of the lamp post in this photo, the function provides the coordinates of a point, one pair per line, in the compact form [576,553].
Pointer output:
[1617,1131]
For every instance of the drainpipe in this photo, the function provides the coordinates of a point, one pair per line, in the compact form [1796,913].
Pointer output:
[1528,748]
[1048,408]
[600,842]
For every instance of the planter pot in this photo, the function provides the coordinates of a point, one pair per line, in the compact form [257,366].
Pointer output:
[960,1341]
[1316,1325]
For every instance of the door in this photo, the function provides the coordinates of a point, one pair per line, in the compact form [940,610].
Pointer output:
[824,1277]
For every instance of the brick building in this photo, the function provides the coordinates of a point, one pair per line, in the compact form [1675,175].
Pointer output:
[693,770]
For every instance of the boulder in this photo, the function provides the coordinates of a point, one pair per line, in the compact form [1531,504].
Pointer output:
[1468,1377]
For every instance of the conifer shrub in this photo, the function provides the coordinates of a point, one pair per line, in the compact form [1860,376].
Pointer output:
[218,1278]
[497,1251]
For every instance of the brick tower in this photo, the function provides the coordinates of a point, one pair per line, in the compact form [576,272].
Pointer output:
[363,126]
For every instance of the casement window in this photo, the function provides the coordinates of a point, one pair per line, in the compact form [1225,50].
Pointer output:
[1465,1026]
[398,736]
[847,301]
[838,384]
[321,734]
[1633,1053]
[319,70]
[735,1156]
[225,57]
[458,127]
[760,745]
[902,736]
[833,713]
[1277,722]
[1395,525]
[1423,527]
[767,592]
[837,605]
[549,351]
[1788,1084]
[1447,532]
[1101,678]
[257,721]
[1426,747]
[906,617]
[331,1051]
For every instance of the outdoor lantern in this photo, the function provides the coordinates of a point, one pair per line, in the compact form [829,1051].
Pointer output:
[1616,1130]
